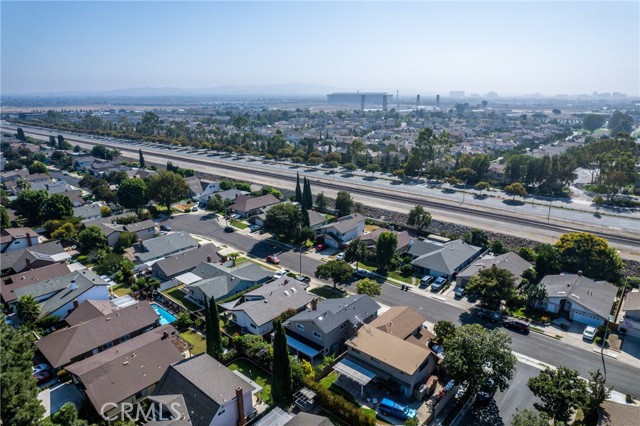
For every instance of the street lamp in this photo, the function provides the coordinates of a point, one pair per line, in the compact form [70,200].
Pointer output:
[604,342]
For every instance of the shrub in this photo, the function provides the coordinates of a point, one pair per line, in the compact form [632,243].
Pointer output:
[629,399]
[545,320]
[406,270]
[598,340]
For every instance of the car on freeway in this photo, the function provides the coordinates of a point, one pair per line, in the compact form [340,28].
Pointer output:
[589,333]
[489,315]
[425,281]
[42,377]
[166,228]
[438,284]
[515,325]
[281,273]
[273,259]
[340,256]
[458,292]
[229,229]
[321,247]
[39,367]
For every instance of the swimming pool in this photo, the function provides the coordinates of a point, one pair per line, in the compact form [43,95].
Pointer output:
[165,316]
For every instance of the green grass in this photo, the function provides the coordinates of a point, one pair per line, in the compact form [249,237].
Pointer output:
[328,292]
[329,380]
[397,276]
[256,374]
[194,339]
[329,383]
[362,265]
[240,260]
[120,290]
[239,224]
[178,296]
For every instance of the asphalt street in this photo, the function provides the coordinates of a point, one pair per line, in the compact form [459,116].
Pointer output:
[623,377]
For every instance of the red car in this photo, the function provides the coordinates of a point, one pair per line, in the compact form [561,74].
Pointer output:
[273,259]
[321,247]
[42,377]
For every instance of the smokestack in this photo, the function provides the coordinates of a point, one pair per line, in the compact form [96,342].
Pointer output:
[314,304]
[242,419]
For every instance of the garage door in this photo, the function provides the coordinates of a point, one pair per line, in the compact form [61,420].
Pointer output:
[586,318]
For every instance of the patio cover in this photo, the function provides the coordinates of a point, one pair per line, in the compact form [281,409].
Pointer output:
[301,347]
[355,372]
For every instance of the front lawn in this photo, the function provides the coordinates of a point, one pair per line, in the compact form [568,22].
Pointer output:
[328,292]
[256,374]
[194,339]
[178,296]
[398,276]
[239,224]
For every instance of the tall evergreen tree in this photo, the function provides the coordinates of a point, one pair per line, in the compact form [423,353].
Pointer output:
[52,141]
[141,158]
[20,135]
[212,323]
[281,388]
[298,190]
[306,194]
[306,222]
[61,142]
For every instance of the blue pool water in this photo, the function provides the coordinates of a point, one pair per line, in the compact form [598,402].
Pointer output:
[165,316]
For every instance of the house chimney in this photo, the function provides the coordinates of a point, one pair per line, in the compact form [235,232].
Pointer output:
[314,304]
[579,273]
[242,419]
[208,259]
[29,239]
[75,303]
[28,263]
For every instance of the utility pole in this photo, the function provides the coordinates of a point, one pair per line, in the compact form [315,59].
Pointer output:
[549,214]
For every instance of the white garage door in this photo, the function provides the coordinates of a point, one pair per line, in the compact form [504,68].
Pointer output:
[586,318]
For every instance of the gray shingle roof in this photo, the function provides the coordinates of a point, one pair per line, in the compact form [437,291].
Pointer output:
[597,296]
[447,257]
[184,262]
[205,385]
[346,223]
[275,298]
[332,313]
[218,281]
[632,302]
[16,259]
[246,203]
[509,261]
[166,245]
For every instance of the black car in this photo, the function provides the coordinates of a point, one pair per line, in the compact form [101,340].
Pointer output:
[486,392]
[515,325]
[489,315]
[165,228]
[229,229]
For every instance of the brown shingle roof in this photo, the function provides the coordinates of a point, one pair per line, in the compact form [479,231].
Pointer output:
[89,310]
[246,203]
[26,278]
[401,321]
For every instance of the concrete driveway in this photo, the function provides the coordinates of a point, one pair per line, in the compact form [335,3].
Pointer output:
[56,396]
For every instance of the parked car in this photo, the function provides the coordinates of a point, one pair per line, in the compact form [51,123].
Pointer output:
[42,377]
[321,247]
[361,273]
[281,273]
[388,407]
[39,367]
[340,256]
[438,284]
[425,281]
[194,209]
[166,228]
[486,392]
[515,325]
[229,229]
[303,278]
[589,333]
[489,315]
[254,228]
[272,259]
[458,292]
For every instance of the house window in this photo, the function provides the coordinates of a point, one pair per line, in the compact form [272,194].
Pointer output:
[142,393]
[252,325]
[107,345]
[317,335]
[300,327]
[125,338]
[221,412]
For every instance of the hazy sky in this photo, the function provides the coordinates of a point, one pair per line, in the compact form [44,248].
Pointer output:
[419,47]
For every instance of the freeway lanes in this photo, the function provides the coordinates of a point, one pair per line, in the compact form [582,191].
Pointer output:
[622,376]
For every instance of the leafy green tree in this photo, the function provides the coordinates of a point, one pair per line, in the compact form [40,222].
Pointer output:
[592,122]
[528,254]
[132,193]
[125,240]
[167,188]
[516,190]
[67,415]
[20,134]
[350,167]
[307,196]
[598,391]
[617,170]
[419,217]
[344,204]
[561,391]
[598,200]
[528,417]
[497,247]
[105,211]
[444,330]
[283,219]
[212,324]
[477,237]
[335,270]
[475,355]
[548,260]
[581,251]
[65,232]
[491,286]
[620,122]
[37,167]
[386,250]
[62,144]
[91,239]
[356,251]
[19,403]
[109,263]
[321,201]
[306,221]
[369,287]
[4,218]
[29,203]
[466,174]
[101,151]
[372,168]
[281,384]
[141,160]
[28,309]
[57,206]
[481,186]
[216,203]
[298,196]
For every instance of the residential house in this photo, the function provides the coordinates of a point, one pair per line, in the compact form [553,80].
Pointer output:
[393,347]
[586,300]
[613,413]
[317,220]
[247,206]
[213,395]
[144,230]
[60,295]
[339,233]
[13,175]
[89,211]
[497,172]
[509,261]
[84,162]
[201,190]
[209,280]
[442,260]
[128,372]
[12,239]
[322,329]
[163,246]
[231,194]
[630,323]
[83,340]
[278,417]
[92,309]
[404,239]
[257,309]
[29,277]
[170,267]
[33,257]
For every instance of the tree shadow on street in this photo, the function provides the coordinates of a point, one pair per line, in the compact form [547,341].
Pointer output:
[485,415]
[513,202]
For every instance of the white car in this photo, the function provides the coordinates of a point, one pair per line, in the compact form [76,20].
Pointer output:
[589,333]
[281,273]
[40,367]
[340,256]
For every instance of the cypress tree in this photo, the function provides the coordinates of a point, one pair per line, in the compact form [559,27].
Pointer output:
[212,322]
[281,388]
[306,222]
[298,191]
[308,197]
[141,158]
